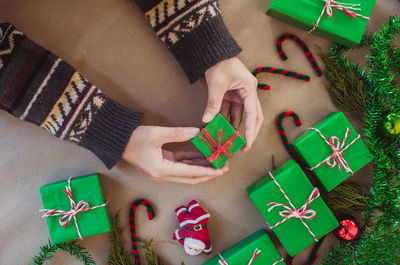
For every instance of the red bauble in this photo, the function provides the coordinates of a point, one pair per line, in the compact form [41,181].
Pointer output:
[348,229]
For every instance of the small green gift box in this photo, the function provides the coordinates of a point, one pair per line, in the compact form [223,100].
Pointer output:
[340,27]
[218,141]
[256,249]
[292,207]
[333,150]
[74,208]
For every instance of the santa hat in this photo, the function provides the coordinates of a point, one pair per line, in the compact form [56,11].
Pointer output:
[194,244]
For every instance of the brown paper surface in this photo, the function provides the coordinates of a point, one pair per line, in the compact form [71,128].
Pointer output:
[111,43]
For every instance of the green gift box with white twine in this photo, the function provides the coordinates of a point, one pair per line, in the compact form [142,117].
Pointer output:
[256,249]
[74,208]
[341,21]
[292,207]
[333,150]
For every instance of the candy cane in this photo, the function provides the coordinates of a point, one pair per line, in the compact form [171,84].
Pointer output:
[150,213]
[283,135]
[303,46]
[279,71]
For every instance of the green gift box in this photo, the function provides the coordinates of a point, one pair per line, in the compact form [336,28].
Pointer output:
[218,141]
[336,157]
[292,207]
[258,244]
[84,190]
[340,28]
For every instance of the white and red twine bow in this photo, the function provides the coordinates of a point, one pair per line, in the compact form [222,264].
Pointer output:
[222,261]
[336,158]
[291,212]
[76,208]
[218,148]
[348,8]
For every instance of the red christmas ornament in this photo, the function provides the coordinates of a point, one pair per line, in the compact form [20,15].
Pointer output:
[348,229]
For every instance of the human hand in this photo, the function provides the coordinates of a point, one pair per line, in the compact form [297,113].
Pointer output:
[144,151]
[232,89]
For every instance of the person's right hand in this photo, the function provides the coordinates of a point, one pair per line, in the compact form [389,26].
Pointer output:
[144,151]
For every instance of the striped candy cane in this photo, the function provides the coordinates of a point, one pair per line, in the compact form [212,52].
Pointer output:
[279,71]
[150,213]
[303,46]
[282,132]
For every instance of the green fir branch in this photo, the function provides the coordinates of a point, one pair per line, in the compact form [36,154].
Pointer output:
[379,242]
[47,251]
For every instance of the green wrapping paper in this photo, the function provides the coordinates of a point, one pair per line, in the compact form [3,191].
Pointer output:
[90,222]
[312,149]
[292,233]
[242,252]
[340,28]
[218,123]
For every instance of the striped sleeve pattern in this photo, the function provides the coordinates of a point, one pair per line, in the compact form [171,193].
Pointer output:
[39,87]
[193,31]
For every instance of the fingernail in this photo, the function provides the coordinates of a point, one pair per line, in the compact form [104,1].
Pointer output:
[207,117]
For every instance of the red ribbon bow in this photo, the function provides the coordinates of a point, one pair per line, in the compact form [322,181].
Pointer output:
[76,208]
[218,148]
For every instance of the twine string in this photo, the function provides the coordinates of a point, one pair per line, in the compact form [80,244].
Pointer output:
[76,208]
[291,212]
[218,148]
[336,158]
[348,8]
[222,261]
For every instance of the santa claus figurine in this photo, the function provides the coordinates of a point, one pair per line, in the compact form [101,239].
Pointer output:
[193,231]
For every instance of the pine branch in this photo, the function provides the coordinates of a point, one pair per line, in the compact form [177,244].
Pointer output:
[118,254]
[47,251]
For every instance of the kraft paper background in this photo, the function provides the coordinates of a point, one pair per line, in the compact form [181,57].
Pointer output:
[111,43]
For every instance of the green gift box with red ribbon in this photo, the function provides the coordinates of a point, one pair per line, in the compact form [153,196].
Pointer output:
[218,141]
[333,150]
[341,21]
[292,207]
[256,249]
[74,208]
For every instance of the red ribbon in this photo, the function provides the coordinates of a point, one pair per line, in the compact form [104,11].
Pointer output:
[218,148]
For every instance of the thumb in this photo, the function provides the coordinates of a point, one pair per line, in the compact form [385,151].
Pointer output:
[176,134]
[215,96]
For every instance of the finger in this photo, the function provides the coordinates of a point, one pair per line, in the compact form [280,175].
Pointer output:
[174,169]
[225,109]
[236,115]
[182,180]
[260,118]
[175,134]
[215,96]
[190,155]
[251,113]
[205,163]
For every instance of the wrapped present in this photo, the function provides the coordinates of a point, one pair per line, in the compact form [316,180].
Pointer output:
[333,150]
[343,22]
[74,208]
[218,141]
[292,207]
[256,249]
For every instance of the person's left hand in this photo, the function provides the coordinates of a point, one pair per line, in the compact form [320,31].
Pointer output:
[232,89]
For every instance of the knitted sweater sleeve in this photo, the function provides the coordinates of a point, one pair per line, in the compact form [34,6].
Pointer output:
[193,31]
[39,87]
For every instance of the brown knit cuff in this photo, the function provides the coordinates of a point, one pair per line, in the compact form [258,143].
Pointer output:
[109,132]
[204,47]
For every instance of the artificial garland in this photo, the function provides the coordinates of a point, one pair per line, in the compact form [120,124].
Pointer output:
[379,241]
[47,251]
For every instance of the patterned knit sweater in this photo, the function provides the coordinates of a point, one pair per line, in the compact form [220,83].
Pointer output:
[39,87]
